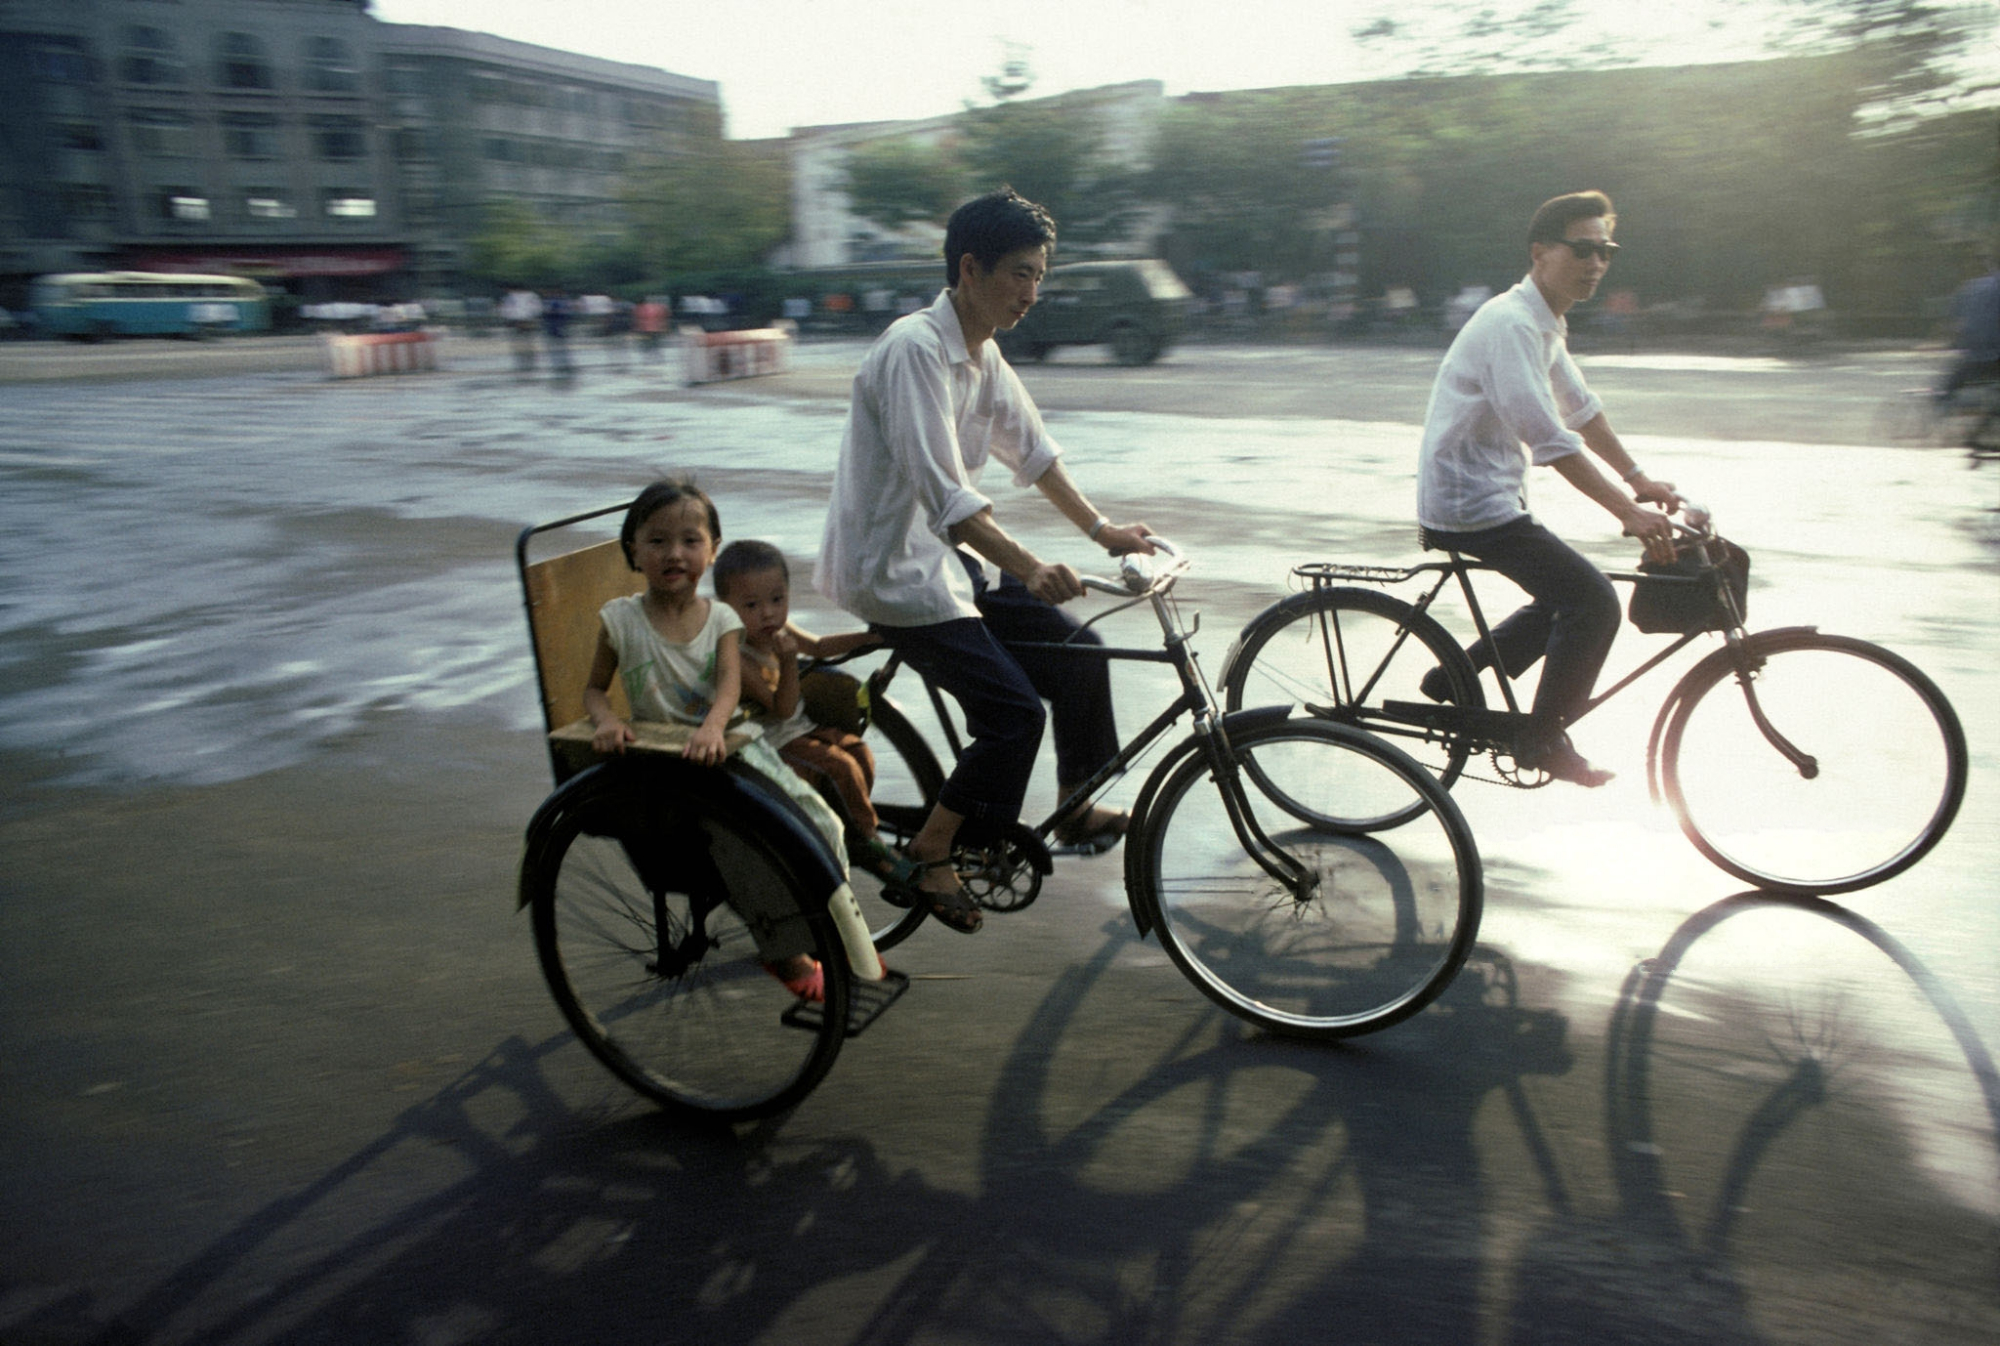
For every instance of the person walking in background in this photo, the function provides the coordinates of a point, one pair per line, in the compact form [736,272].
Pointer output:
[521,310]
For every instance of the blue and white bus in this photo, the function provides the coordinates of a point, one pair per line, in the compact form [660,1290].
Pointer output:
[94,305]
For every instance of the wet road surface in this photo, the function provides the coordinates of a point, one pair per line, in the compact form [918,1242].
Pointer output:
[282,1069]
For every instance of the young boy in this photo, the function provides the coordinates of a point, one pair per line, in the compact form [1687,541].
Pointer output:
[753,579]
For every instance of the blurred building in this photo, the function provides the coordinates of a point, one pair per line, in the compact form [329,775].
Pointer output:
[827,233]
[299,141]
[470,118]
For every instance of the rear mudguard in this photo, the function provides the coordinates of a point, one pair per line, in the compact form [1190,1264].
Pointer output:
[735,793]
[1136,858]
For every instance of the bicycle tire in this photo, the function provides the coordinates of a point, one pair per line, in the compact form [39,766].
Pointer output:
[1890,761]
[1375,934]
[695,1023]
[907,781]
[1335,651]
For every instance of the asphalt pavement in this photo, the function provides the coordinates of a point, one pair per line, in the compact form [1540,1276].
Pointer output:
[280,1066]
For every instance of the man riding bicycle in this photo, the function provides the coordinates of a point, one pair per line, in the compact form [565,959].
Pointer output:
[1507,393]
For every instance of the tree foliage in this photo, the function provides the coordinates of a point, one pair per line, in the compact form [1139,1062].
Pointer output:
[894,183]
[1053,151]
[697,202]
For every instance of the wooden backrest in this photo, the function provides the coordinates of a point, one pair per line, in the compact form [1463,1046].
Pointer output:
[564,595]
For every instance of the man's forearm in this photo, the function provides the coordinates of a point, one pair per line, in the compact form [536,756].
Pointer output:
[986,537]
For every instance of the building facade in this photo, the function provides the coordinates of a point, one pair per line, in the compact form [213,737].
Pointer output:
[299,141]
[827,233]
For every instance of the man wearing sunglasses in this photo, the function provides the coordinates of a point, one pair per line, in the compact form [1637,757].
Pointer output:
[1508,394]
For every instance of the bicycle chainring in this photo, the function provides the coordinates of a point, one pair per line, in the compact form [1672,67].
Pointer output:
[998,874]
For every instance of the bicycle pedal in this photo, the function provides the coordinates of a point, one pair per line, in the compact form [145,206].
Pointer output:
[867,1001]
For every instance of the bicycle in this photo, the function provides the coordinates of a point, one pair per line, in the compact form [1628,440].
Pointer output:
[1839,766]
[658,889]
[1259,889]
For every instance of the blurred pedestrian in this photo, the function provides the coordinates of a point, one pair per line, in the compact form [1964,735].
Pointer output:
[649,320]
[556,313]
[521,310]
[1975,313]
[1506,384]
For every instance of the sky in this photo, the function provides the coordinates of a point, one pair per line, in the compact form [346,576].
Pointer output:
[789,63]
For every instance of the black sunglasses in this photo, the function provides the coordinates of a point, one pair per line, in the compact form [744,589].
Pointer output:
[1584,248]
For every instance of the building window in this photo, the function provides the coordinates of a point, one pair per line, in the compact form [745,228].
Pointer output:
[82,136]
[251,135]
[186,204]
[85,200]
[268,203]
[330,66]
[150,58]
[240,63]
[64,60]
[336,138]
[162,134]
[413,144]
[345,203]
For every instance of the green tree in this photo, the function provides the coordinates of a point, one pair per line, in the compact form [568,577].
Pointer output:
[697,202]
[894,183]
[1051,150]
[515,245]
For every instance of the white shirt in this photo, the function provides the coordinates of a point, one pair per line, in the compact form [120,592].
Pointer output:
[1506,382]
[925,418]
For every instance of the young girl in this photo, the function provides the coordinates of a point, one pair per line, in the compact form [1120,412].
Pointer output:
[752,578]
[679,658]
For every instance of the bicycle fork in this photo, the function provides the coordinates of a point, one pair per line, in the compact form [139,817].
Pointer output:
[1301,881]
[1807,764]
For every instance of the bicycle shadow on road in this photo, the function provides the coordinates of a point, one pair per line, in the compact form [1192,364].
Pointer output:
[1750,1152]
[1201,1193]
[1187,1180]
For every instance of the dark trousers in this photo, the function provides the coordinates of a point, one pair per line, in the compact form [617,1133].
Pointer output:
[1572,620]
[1001,694]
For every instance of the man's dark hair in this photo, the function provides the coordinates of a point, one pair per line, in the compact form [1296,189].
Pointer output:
[746,557]
[991,226]
[668,491]
[1553,219]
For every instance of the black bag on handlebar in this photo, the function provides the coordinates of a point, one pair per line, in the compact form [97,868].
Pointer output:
[1686,597]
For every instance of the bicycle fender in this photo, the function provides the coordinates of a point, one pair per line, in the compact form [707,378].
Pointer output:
[1700,672]
[1278,613]
[735,792]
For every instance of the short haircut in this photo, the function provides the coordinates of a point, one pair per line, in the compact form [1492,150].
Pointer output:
[667,491]
[1556,215]
[746,557]
[991,226]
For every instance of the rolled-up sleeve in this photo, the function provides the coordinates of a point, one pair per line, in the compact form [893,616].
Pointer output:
[1522,384]
[914,407]
[1020,441]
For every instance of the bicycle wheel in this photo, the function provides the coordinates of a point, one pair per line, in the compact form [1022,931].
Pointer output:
[1341,653]
[653,914]
[1370,930]
[1886,775]
[907,780]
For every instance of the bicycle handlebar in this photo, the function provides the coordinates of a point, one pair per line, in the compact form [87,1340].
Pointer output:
[1137,573]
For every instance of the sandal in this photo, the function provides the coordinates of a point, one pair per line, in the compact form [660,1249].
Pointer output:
[1096,832]
[809,986]
[957,910]
[887,863]
[900,885]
